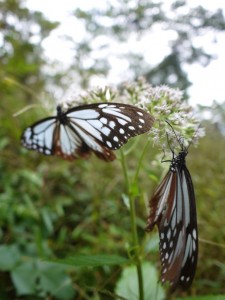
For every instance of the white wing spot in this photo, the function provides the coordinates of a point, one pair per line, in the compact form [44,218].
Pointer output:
[103,120]
[102,105]
[121,130]
[164,245]
[122,122]
[187,279]
[140,113]
[182,278]
[131,128]
[116,112]
[193,245]
[169,234]
[109,144]
[175,232]
[194,234]
[112,124]
[106,131]
[142,121]
[115,138]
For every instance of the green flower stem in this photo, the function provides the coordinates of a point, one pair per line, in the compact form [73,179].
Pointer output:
[125,173]
[140,162]
[136,246]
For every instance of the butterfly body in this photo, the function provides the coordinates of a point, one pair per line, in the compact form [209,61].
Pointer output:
[173,211]
[97,128]
[61,115]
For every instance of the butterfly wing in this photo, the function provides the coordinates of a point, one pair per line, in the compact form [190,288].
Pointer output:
[68,144]
[107,126]
[173,210]
[98,128]
[167,214]
[190,258]
[40,135]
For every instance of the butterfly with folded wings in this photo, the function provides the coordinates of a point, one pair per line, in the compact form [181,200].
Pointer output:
[173,210]
[98,128]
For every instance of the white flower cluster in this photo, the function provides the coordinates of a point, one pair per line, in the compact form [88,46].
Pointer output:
[165,104]
[175,121]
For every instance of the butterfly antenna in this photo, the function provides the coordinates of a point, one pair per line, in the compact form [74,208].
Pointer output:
[164,155]
[178,139]
[194,136]
[164,152]
[168,140]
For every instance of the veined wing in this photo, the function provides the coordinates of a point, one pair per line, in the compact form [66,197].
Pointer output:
[107,126]
[39,136]
[97,128]
[173,210]
[190,257]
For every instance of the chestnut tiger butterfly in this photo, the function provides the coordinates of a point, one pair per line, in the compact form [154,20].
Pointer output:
[173,210]
[98,128]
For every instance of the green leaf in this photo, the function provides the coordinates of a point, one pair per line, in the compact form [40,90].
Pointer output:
[4,142]
[126,201]
[91,260]
[153,177]
[152,244]
[24,278]
[55,281]
[46,215]
[9,256]
[208,297]
[127,286]
[32,276]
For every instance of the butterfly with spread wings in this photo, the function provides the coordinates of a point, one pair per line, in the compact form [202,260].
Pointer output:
[173,210]
[98,128]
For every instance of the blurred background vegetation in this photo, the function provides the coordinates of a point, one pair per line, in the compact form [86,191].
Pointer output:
[53,209]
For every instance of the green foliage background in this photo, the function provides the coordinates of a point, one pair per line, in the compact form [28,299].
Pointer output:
[52,209]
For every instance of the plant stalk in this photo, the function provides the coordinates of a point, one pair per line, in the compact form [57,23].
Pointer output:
[136,246]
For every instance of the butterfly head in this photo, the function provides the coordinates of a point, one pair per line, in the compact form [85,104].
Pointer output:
[178,160]
[59,110]
[182,154]
[61,116]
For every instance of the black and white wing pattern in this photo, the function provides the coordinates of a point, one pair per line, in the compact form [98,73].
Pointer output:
[173,209]
[98,128]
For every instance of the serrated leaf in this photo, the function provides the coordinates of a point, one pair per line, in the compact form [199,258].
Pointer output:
[127,286]
[91,260]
